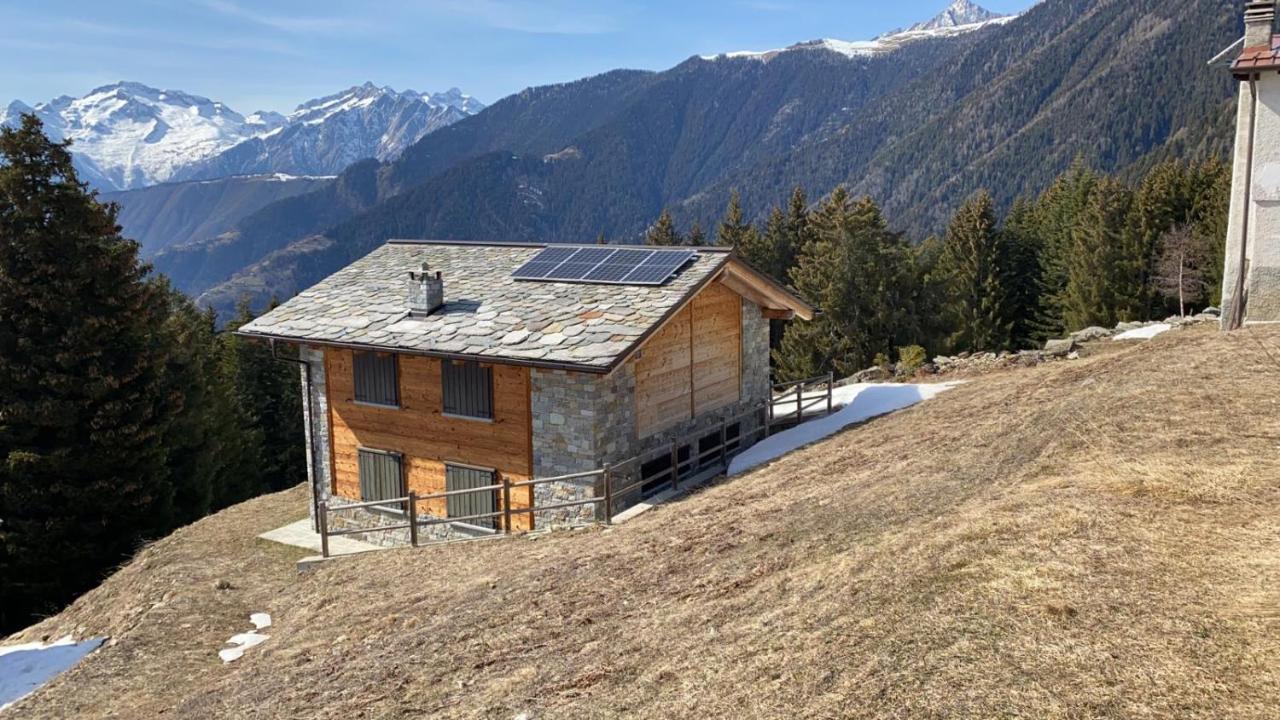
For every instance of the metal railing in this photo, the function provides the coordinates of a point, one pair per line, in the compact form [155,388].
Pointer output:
[792,401]
[616,481]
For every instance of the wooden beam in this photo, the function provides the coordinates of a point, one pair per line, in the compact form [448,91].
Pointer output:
[763,291]
[775,314]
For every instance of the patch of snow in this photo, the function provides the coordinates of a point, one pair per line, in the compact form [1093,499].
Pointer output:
[25,668]
[1143,333]
[858,402]
[243,641]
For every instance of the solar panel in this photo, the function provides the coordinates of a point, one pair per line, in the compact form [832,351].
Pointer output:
[605,265]
[543,263]
[658,267]
[617,266]
[582,262]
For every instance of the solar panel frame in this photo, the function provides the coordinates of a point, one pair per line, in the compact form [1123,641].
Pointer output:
[604,266]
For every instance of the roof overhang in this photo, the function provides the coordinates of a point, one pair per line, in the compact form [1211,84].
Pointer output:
[764,291]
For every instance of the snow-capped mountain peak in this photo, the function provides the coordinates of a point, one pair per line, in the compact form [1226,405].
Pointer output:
[128,135]
[962,16]
[958,14]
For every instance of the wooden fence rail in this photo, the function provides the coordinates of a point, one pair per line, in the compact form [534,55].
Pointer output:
[631,471]
[782,408]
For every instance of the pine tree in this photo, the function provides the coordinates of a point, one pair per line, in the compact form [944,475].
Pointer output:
[1022,243]
[269,393]
[786,233]
[1211,184]
[734,230]
[861,277]
[764,250]
[84,405]
[798,227]
[214,448]
[1105,265]
[697,236]
[973,274]
[1057,213]
[664,231]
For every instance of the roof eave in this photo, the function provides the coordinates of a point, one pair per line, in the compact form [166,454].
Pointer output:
[494,359]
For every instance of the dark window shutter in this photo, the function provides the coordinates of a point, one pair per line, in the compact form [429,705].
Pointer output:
[381,475]
[477,503]
[376,379]
[468,389]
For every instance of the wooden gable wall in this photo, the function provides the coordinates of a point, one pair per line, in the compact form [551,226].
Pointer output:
[693,365]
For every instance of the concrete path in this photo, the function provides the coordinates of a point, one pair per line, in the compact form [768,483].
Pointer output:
[300,534]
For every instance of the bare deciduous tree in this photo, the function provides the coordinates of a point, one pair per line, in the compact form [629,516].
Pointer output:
[1181,270]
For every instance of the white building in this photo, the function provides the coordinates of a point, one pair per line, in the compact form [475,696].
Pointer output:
[1251,285]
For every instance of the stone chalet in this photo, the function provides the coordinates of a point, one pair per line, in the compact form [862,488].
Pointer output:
[438,366]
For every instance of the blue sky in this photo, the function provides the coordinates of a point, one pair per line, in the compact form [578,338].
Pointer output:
[274,54]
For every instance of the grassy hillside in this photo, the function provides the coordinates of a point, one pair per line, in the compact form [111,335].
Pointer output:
[1098,538]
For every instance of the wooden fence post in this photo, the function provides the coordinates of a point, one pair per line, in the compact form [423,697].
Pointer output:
[506,504]
[413,519]
[831,383]
[675,464]
[799,403]
[324,529]
[608,494]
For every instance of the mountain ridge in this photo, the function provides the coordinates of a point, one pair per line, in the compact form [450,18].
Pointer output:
[129,135]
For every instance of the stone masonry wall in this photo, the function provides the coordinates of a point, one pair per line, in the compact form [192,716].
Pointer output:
[567,409]
[315,409]
[756,384]
[372,519]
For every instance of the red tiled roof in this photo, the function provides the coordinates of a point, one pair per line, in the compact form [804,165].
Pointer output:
[1259,58]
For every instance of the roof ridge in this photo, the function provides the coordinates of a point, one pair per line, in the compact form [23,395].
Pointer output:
[710,249]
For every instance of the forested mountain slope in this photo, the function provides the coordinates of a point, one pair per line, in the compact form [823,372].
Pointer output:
[1090,538]
[1007,107]
[160,215]
[540,120]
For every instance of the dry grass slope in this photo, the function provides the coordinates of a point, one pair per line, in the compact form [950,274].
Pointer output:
[1077,540]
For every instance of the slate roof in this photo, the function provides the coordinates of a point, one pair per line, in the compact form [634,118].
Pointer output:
[1265,57]
[487,314]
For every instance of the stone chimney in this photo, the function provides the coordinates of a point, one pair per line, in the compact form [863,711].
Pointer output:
[1259,23]
[426,291]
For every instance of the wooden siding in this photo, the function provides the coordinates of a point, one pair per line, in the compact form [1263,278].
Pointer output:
[427,439]
[693,364]
[717,349]
[664,383]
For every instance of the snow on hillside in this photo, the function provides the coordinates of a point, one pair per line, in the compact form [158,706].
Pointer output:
[25,668]
[129,135]
[856,403]
[959,18]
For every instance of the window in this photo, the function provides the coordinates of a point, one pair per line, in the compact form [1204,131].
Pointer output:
[376,380]
[468,390]
[381,475]
[458,477]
